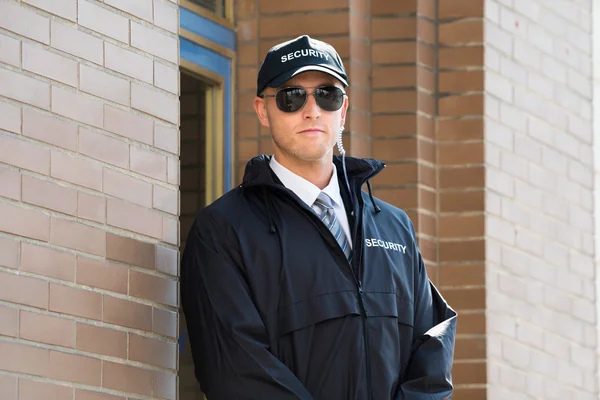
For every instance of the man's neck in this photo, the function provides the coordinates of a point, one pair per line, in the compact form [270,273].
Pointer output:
[316,172]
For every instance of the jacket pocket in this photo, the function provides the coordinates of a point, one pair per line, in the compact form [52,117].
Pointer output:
[317,309]
[388,304]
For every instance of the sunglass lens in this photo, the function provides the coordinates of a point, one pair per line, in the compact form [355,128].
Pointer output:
[290,99]
[329,98]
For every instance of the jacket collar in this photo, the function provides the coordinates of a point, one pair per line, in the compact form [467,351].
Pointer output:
[359,170]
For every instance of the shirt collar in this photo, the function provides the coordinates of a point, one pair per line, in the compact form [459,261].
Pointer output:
[305,190]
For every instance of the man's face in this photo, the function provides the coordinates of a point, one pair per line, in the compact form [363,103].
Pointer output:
[309,134]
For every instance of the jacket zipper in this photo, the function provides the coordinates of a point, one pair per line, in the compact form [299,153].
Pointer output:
[358,214]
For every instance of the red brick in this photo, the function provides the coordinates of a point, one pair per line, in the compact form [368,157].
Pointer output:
[10,184]
[393,52]
[166,138]
[24,88]
[127,313]
[452,106]
[105,85]
[460,129]
[127,188]
[467,177]
[78,302]
[463,201]
[9,253]
[11,51]
[390,77]
[128,124]
[134,218]
[11,116]
[154,42]
[91,207]
[152,351]
[393,28]
[20,20]
[247,55]
[101,275]
[77,236]
[23,290]
[296,25]
[130,251]
[154,288]
[99,340]
[47,128]
[460,81]
[77,106]
[127,378]
[462,275]
[464,250]
[275,6]
[380,7]
[75,368]
[139,8]
[31,390]
[462,9]
[247,30]
[456,57]
[78,43]
[104,21]
[9,325]
[87,395]
[461,32]
[164,322]
[104,148]
[49,195]
[461,226]
[76,170]
[47,329]
[165,77]
[23,358]
[49,64]
[394,101]
[47,262]
[461,153]
[470,373]
[148,163]
[24,222]
[155,102]
[393,125]
[128,62]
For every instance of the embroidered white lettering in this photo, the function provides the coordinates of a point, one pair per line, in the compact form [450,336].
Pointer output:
[386,245]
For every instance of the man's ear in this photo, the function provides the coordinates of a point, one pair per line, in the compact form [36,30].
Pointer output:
[260,106]
[344,110]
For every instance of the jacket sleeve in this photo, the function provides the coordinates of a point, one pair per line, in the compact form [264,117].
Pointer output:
[428,375]
[227,337]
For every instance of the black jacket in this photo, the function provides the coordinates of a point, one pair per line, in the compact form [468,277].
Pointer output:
[275,311]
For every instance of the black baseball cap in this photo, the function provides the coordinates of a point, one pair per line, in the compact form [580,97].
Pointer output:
[287,59]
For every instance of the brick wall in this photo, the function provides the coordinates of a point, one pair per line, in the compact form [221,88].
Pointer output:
[539,203]
[89,149]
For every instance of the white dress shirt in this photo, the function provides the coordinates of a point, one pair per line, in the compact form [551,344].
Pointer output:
[308,192]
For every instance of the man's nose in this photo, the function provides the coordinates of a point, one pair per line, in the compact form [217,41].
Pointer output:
[311,109]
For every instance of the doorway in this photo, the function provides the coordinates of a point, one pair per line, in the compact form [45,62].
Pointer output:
[196,110]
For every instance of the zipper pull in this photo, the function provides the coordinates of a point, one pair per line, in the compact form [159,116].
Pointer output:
[360,287]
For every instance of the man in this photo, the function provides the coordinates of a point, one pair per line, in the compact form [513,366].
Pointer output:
[297,284]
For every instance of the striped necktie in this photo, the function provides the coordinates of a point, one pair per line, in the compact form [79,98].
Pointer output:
[328,217]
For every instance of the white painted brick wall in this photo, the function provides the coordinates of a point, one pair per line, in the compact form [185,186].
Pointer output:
[541,294]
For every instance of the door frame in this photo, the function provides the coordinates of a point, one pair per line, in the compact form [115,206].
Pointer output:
[207,51]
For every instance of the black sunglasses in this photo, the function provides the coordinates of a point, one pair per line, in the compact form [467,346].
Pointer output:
[292,99]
